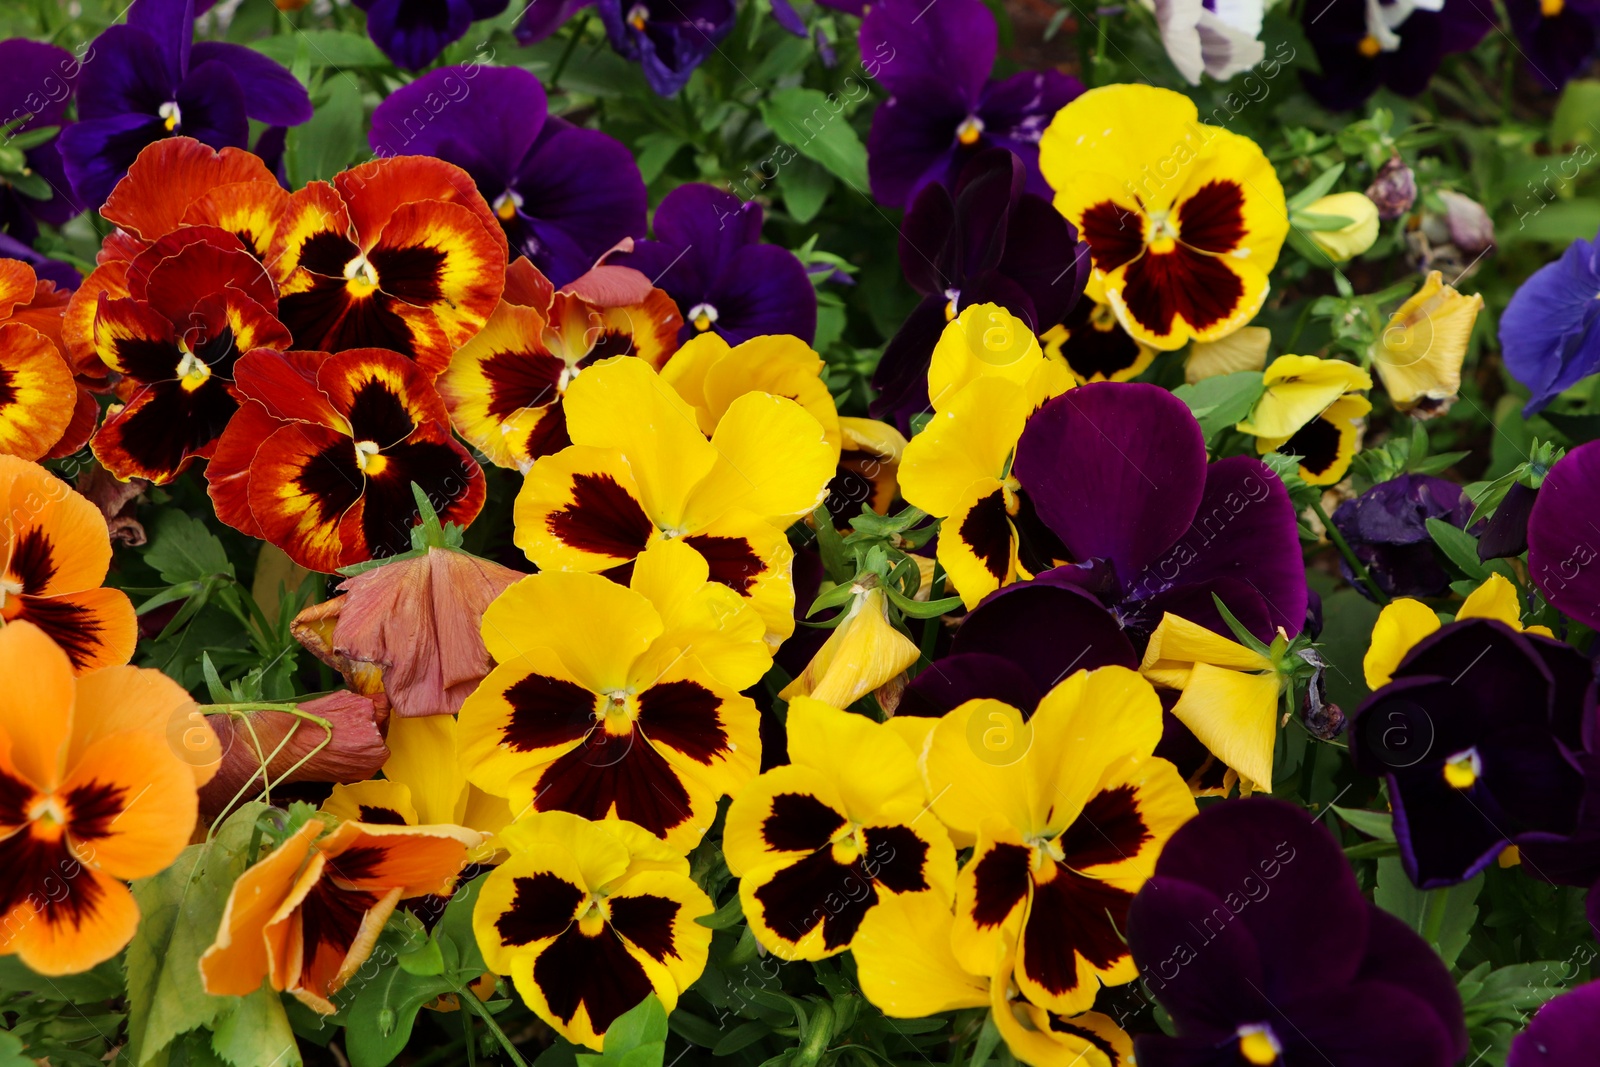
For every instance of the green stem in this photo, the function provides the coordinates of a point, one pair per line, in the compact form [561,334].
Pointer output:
[1348,553]
[1433,909]
[470,1000]
[566,53]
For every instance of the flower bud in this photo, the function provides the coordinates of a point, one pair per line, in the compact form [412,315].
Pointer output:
[1394,190]
[1352,240]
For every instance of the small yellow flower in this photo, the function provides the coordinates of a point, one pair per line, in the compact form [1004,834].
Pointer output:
[1420,352]
[1350,241]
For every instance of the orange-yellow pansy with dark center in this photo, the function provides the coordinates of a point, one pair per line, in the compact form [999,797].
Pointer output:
[819,842]
[640,470]
[504,387]
[1069,811]
[619,702]
[1184,220]
[40,306]
[590,918]
[54,553]
[37,394]
[400,253]
[307,915]
[92,792]
[321,458]
[175,345]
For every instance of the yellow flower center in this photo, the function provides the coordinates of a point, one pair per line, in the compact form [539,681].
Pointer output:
[1551,8]
[1163,235]
[171,117]
[703,316]
[47,809]
[361,277]
[952,298]
[593,919]
[1462,770]
[970,130]
[638,15]
[1103,318]
[847,844]
[9,587]
[192,370]
[368,459]
[1369,46]
[1258,1045]
[1045,858]
[506,205]
[617,712]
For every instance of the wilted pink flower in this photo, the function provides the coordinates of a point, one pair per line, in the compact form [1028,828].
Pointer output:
[408,629]
[1394,189]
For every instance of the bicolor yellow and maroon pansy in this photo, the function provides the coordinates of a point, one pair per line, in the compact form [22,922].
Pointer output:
[38,397]
[1311,408]
[590,918]
[819,842]
[1068,811]
[400,253]
[174,342]
[92,793]
[54,553]
[321,457]
[1095,347]
[504,387]
[640,470]
[619,702]
[1184,220]
[306,916]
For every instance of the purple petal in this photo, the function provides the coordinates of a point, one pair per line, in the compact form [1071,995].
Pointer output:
[1204,972]
[97,153]
[413,35]
[213,107]
[789,18]
[271,94]
[763,290]
[671,267]
[1563,538]
[717,221]
[544,17]
[1397,955]
[47,163]
[35,79]
[987,188]
[930,258]
[907,44]
[170,23]
[1550,331]
[63,274]
[1563,1032]
[584,185]
[1044,256]
[952,681]
[125,73]
[901,377]
[1374,1024]
[1117,470]
[913,142]
[1016,111]
[483,119]
[1553,48]
[1048,630]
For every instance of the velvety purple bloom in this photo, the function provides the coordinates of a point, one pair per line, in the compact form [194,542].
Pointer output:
[1549,334]
[1387,528]
[147,80]
[667,38]
[1506,533]
[65,275]
[565,195]
[1117,471]
[707,256]
[1480,736]
[1565,1031]
[1563,544]
[412,34]
[36,80]
[1556,46]
[935,59]
[1364,44]
[544,17]
[1254,936]
[988,242]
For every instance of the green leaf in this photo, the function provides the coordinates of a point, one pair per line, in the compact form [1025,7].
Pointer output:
[455,928]
[11,1054]
[1577,428]
[326,48]
[1444,917]
[988,1040]
[254,1032]
[1577,113]
[1221,401]
[805,189]
[742,1036]
[643,1024]
[809,121]
[730,914]
[655,151]
[384,1011]
[332,140]
[1460,546]
[1379,824]
[183,550]
[1318,188]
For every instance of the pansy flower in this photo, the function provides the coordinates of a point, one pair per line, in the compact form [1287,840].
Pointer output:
[54,553]
[399,253]
[41,306]
[1564,1030]
[1311,408]
[147,79]
[943,107]
[174,342]
[1557,37]
[1480,736]
[667,38]
[565,195]
[38,397]
[412,35]
[1404,622]
[1418,356]
[1222,938]
[505,387]
[1205,37]
[707,255]
[619,702]
[307,915]
[1364,44]
[1550,330]
[862,653]
[1387,529]
[92,792]
[590,918]
[1184,220]
[845,820]
[641,471]
[1561,539]
[983,240]
[1095,347]
[321,459]
[1069,811]
[36,83]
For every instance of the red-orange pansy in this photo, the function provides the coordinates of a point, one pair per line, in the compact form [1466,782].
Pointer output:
[38,398]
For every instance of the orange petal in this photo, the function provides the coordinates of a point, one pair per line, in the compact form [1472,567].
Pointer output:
[130,804]
[58,540]
[249,210]
[85,414]
[120,700]
[35,702]
[87,925]
[17,282]
[228,472]
[37,393]
[238,960]
[526,285]
[171,174]
[77,324]
[418,860]
[375,190]
[96,628]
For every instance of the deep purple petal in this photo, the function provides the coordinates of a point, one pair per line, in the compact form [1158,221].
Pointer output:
[1550,330]
[46,269]
[585,185]
[1202,964]
[1117,470]
[1563,1032]
[669,267]
[763,289]
[713,220]
[1048,630]
[906,44]
[213,107]
[1016,110]
[948,683]
[789,18]
[1506,533]
[930,257]
[1044,256]
[47,163]
[1397,954]
[483,119]
[412,35]
[170,23]
[901,377]
[271,94]
[1373,1024]
[35,79]
[676,37]
[1563,540]
[913,142]
[126,73]
[1553,48]
[98,152]
[544,17]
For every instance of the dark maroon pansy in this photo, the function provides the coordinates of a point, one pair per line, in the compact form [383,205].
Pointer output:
[1358,51]
[1564,1033]
[1563,544]
[1387,528]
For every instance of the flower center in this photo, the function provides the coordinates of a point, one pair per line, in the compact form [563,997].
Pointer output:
[506,205]
[361,277]
[952,301]
[1259,1045]
[593,919]
[638,15]
[192,370]
[171,117]
[617,712]
[1163,234]
[1047,854]
[1369,46]
[1462,770]
[1551,8]
[368,459]
[703,316]
[847,844]
[9,588]
[970,130]
[48,810]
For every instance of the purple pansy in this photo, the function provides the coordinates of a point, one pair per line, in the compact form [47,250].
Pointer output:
[1254,936]
[1564,1032]
[1480,736]
[36,82]
[147,80]
[413,34]
[1550,331]
[1563,544]
[667,38]
[543,17]
[987,242]
[565,195]
[1364,44]
[1117,472]
[1387,528]
[707,255]
[935,59]
[1557,39]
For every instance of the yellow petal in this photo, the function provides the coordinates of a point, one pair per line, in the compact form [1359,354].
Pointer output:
[1419,354]
[700,617]
[1495,599]
[597,627]
[1401,624]
[970,440]
[987,341]
[868,764]
[1243,349]
[1235,715]
[423,757]
[973,767]
[904,962]
[375,801]
[773,460]
[1297,390]
[1092,721]
[1178,644]
[861,654]
[1349,241]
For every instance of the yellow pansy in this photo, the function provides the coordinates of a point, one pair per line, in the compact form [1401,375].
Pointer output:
[710,374]
[1419,353]
[987,341]
[1296,389]
[1403,623]
[862,653]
